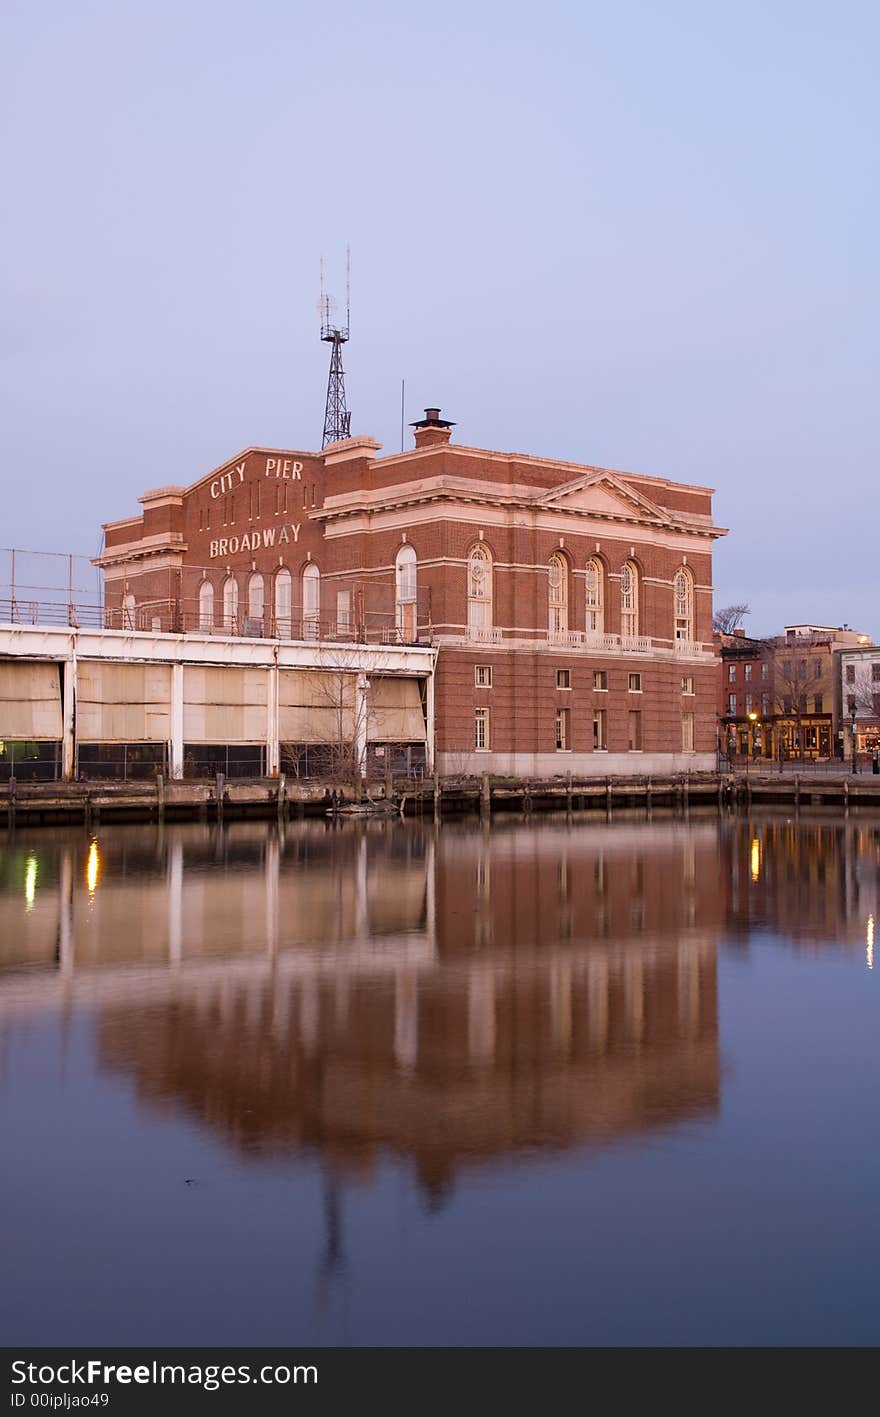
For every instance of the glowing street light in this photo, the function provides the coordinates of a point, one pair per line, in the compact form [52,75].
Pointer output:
[753,739]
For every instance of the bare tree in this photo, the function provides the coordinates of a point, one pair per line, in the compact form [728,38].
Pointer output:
[864,693]
[338,705]
[729,618]
[793,679]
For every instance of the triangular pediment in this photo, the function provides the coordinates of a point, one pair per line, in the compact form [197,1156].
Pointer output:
[604,495]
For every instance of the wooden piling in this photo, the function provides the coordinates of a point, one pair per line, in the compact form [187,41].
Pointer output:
[160,797]
[486,795]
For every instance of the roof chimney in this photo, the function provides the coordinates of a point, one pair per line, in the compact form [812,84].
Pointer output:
[740,633]
[432,429]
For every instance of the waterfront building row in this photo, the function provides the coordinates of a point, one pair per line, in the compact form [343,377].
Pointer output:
[808,693]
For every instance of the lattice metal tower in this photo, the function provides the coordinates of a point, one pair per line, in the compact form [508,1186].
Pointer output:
[337,419]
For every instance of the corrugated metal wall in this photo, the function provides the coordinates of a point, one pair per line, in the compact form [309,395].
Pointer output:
[225,705]
[395,712]
[316,706]
[30,701]
[123,703]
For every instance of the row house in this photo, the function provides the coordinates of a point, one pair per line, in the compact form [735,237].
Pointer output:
[779,696]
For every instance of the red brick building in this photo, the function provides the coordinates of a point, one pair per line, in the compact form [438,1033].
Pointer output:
[572,605]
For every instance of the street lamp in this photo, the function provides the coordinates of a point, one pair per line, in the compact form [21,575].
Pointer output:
[854,743]
[750,746]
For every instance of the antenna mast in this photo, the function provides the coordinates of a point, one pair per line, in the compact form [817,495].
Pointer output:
[337,419]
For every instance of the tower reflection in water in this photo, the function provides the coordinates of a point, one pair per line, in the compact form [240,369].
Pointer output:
[448,996]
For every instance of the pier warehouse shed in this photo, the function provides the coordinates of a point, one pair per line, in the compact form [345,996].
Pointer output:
[571,605]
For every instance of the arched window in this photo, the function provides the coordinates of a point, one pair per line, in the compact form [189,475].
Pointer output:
[311,601]
[206,607]
[230,605]
[558,597]
[683,591]
[282,603]
[256,604]
[128,612]
[595,595]
[479,590]
[406,590]
[629,600]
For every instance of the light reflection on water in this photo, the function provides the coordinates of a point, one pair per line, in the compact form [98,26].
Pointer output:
[313,1035]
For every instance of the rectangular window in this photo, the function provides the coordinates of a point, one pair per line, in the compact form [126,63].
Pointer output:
[731,673]
[765,704]
[875,673]
[850,705]
[563,730]
[747,671]
[818,704]
[600,738]
[635,731]
[748,707]
[687,683]
[481,729]
[817,669]
[600,680]
[563,678]
[731,703]
[765,670]
[687,732]
[850,674]
[343,612]
[483,676]
[635,684]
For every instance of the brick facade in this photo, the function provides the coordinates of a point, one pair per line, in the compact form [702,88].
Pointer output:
[549,574]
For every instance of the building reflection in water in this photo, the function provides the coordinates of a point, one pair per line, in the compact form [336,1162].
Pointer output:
[813,878]
[446,995]
[449,996]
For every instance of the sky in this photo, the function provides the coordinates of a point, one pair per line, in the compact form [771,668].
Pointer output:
[636,235]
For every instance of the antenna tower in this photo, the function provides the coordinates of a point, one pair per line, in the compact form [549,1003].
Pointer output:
[337,419]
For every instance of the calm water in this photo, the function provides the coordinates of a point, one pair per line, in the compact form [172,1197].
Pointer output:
[545,1083]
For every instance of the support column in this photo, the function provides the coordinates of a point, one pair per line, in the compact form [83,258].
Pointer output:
[68,711]
[360,723]
[430,721]
[176,722]
[273,748]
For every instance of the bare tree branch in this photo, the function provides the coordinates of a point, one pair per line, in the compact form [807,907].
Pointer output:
[729,618]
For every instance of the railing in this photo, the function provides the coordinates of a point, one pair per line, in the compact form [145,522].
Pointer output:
[573,639]
[593,641]
[41,612]
[598,640]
